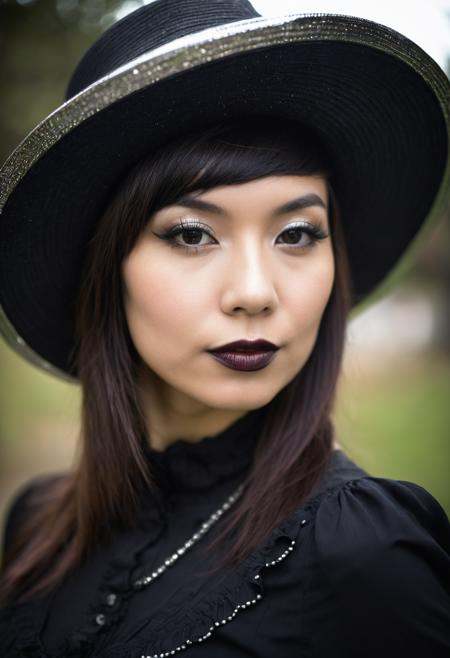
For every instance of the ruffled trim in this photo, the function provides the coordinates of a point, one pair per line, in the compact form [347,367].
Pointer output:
[185,466]
[179,624]
[182,623]
[172,628]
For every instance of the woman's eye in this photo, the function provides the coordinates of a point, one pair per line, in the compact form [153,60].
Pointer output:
[190,233]
[191,236]
[300,236]
[303,235]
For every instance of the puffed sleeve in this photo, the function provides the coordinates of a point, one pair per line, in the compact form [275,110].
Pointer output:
[381,552]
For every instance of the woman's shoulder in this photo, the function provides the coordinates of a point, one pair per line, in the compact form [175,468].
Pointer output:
[358,517]
[368,512]
[363,531]
[363,512]
[377,562]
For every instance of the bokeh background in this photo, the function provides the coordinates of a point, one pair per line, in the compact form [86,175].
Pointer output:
[393,405]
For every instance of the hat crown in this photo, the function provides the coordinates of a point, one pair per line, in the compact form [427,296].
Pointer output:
[150,27]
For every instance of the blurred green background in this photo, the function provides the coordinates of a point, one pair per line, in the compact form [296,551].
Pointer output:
[392,412]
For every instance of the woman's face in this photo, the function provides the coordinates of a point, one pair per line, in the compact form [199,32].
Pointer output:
[240,274]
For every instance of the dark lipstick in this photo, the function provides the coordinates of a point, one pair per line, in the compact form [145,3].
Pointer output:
[245,354]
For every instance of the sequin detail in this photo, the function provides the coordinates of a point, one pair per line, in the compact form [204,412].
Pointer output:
[239,607]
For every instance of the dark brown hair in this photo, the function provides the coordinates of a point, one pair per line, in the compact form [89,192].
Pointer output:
[84,508]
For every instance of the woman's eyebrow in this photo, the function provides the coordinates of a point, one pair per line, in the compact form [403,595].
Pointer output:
[299,203]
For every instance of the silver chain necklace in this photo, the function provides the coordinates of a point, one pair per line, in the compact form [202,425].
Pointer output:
[144,581]
[215,516]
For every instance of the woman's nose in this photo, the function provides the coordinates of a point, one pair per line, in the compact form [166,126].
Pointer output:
[250,280]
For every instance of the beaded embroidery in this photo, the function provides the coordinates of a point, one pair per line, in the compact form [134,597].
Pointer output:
[205,527]
[239,606]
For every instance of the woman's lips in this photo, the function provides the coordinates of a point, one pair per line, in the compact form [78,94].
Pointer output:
[245,360]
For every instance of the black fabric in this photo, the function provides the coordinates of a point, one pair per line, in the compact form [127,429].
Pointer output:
[381,121]
[368,574]
[149,27]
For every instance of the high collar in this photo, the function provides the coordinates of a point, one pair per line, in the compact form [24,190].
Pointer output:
[185,466]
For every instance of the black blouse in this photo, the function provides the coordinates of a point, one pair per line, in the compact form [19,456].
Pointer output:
[362,569]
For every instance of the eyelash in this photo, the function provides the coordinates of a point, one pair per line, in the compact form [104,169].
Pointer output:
[315,233]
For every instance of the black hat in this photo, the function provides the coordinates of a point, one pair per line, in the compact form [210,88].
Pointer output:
[379,102]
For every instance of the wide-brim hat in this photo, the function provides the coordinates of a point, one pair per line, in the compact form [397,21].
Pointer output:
[380,103]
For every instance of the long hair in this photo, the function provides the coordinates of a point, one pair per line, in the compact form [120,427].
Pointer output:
[99,496]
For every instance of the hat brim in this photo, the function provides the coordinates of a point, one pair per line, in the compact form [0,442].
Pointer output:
[378,100]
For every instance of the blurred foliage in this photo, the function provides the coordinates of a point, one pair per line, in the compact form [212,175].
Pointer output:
[395,421]
[39,48]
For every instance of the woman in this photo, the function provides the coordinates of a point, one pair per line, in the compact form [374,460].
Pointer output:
[252,182]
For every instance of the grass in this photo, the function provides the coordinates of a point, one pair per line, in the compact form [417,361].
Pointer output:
[395,422]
